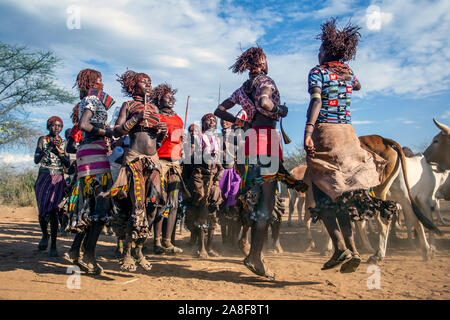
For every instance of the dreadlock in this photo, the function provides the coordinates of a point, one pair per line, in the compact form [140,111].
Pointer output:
[86,80]
[248,60]
[339,45]
[128,81]
[160,91]
[74,115]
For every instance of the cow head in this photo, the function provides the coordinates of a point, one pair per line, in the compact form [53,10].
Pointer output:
[439,150]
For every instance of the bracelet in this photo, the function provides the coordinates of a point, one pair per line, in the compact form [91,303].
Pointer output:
[108,133]
[310,124]
[94,130]
[127,126]
[264,95]
[315,96]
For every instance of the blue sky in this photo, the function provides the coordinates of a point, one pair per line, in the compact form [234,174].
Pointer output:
[403,59]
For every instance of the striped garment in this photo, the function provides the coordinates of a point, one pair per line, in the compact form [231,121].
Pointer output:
[49,190]
[92,159]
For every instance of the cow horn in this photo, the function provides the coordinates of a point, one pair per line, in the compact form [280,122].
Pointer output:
[445,129]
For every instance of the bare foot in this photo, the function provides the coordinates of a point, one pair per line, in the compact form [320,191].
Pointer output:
[202,255]
[277,248]
[213,253]
[244,246]
[259,267]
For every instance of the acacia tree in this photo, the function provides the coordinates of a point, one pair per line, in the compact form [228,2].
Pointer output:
[26,79]
[295,157]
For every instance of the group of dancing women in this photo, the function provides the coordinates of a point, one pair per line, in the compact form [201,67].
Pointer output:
[229,178]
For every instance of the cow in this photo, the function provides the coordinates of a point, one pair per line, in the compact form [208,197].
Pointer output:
[395,186]
[443,193]
[438,152]
[424,181]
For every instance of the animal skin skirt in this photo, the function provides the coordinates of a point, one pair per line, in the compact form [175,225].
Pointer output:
[343,173]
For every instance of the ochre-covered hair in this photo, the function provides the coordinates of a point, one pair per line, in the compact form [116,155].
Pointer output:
[339,45]
[192,127]
[86,80]
[248,60]
[128,81]
[74,115]
[206,117]
[53,120]
[160,91]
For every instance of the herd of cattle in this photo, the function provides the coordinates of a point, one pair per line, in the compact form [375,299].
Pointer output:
[416,183]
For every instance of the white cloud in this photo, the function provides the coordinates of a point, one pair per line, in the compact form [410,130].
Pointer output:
[362,122]
[17,161]
[446,115]
[409,53]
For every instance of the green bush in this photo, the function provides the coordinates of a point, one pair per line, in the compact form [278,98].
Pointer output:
[17,189]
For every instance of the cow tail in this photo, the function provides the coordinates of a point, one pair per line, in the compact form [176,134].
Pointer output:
[427,223]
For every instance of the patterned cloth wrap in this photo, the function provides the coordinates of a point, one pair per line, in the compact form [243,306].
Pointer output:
[248,94]
[88,202]
[141,181]
[336,94]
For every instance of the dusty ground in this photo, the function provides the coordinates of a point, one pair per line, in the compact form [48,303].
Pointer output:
[26,273]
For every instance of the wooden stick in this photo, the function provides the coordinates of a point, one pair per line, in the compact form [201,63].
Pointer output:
[185,116]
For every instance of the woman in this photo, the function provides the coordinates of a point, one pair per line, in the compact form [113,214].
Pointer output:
[90,203]
[341,172]
[169,153]
[50,184]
